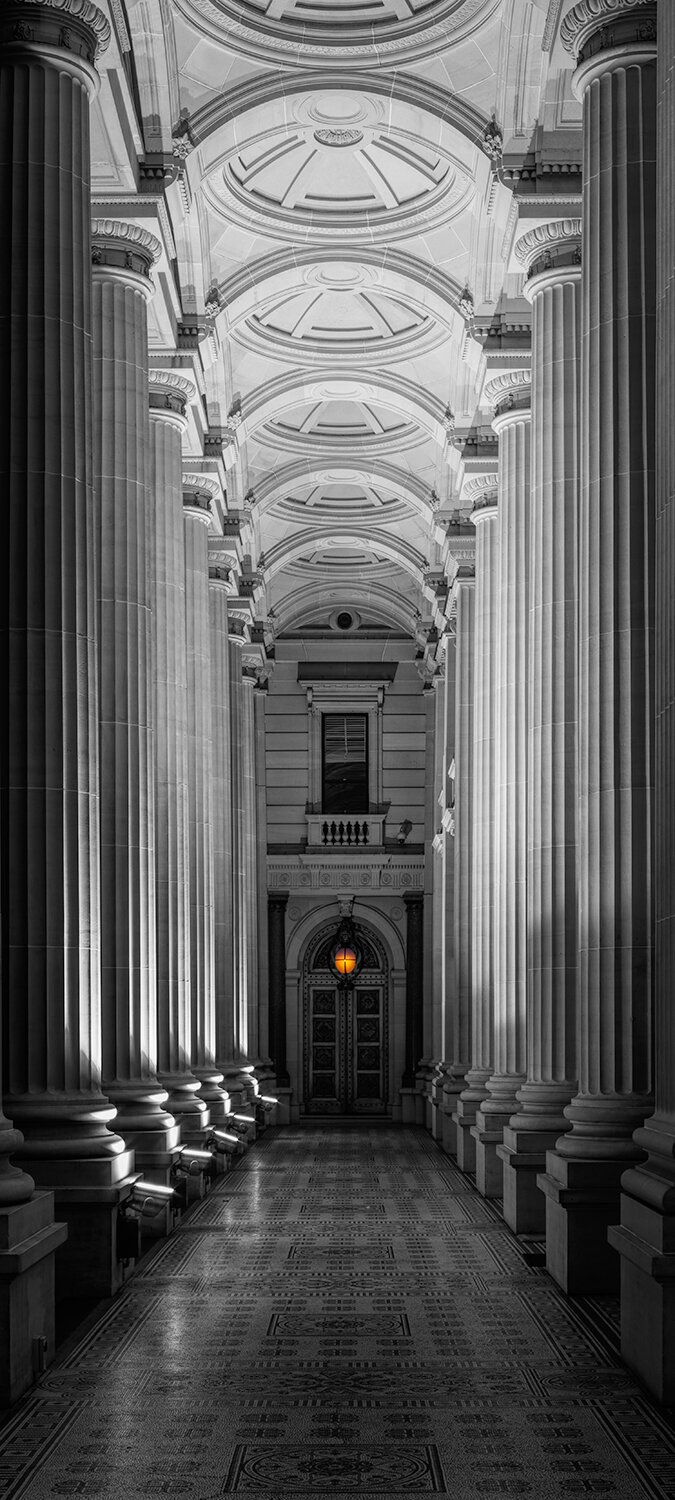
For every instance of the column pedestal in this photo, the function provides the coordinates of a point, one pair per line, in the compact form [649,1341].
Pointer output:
[29,1239]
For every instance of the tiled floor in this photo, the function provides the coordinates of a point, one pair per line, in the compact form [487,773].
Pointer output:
[343,1315]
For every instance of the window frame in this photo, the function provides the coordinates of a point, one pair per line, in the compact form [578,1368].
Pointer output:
[342,698]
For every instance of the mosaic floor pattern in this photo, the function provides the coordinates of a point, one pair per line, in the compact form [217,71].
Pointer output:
[343,1315]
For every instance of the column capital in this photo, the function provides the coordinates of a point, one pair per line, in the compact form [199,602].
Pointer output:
[169,395]
[509,393]
[482,493]
[550,253]
[124,252]
[604,34]
[71,34]
[199,493]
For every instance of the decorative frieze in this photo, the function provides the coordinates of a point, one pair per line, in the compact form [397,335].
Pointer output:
[383,873]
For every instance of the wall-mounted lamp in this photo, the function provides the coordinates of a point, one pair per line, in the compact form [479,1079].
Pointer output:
[404,830]
[222,1142]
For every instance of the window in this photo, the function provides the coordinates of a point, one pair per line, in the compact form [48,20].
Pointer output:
[344,763]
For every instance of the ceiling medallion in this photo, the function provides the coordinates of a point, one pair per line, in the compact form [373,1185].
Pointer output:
[334,137]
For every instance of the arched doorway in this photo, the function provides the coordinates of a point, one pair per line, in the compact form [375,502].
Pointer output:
[345,1031]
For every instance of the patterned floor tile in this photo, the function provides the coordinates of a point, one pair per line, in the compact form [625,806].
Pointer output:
[342,1315]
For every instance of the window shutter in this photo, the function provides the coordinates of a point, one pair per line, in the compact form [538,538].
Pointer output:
[345,739]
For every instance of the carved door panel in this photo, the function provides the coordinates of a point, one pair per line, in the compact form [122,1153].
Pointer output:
[367,1090]
[346,1050]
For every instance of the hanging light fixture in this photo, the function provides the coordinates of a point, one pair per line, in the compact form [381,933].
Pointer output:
[346,956]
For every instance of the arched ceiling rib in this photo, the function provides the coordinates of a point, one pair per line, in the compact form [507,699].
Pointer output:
[340,214]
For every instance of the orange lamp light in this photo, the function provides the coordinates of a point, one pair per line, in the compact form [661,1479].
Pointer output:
[345,960]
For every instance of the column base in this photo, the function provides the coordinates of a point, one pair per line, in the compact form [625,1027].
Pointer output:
[409,1106]
[523,1157]
[452,1088]
[645,1241]
[464,1120]
[87,1195]
[488,1133]
[284,1096]
[582,1200]
[29,1239]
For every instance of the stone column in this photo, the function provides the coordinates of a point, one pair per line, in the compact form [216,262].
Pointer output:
[197,499]
[237,1079]
[264,1067]
[485,519]
[122,255]
[646,1239]
[441,953]
[439,869]
[276,926]
[414,999]
[510,394]
[221,816]
[615,46]
[249,851]
[552,254]
[169,394]
[462,544]
[51,892]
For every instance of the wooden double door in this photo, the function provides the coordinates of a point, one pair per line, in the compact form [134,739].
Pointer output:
[346,1049]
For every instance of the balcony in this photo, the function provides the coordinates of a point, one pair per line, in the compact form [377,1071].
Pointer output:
[339,832]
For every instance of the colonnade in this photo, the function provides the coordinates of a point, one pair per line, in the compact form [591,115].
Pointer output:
[569,812]
[121,955]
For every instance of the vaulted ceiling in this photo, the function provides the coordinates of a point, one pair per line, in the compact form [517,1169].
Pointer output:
[347,187]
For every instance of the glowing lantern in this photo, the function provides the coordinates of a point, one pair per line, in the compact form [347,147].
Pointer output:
[346,957]
[345,961]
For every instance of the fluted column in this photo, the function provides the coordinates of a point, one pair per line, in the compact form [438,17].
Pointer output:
[458,1001]
[236,1079]
[414,992]
[169,393]
[615,46]
[646,1239]
[510,394]
[485,519]
[51,892]
[277,903]
[552,254]
[249,850]
[223,848]
[197,494]
[122,255]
